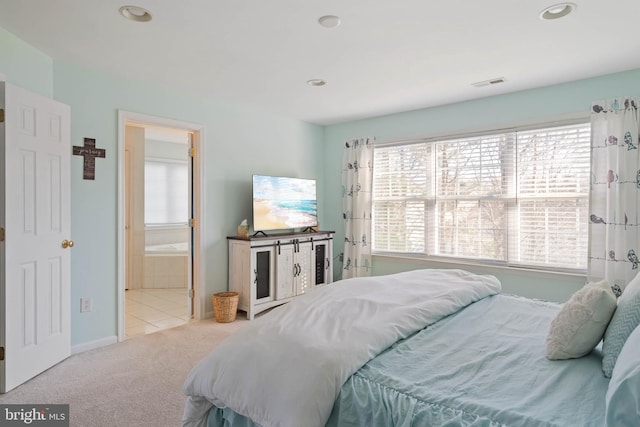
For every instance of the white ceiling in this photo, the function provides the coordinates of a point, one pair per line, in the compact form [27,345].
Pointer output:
[385,57]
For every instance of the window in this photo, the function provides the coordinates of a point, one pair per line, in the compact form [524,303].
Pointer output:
[517,198]
[166,192]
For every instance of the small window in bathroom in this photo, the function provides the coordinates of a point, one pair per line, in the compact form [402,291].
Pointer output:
[166,192]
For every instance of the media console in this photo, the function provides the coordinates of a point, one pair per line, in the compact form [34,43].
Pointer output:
[272,270]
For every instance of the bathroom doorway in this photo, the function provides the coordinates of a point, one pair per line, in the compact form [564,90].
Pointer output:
[160,233]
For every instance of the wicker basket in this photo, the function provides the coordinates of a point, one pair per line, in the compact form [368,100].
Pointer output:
[225,306]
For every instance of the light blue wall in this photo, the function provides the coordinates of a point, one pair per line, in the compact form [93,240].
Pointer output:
[25,66]
[532,106]
[239,141]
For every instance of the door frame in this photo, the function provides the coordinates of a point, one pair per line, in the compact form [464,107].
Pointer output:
[198,279]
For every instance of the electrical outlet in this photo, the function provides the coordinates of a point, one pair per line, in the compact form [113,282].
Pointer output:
[85,305]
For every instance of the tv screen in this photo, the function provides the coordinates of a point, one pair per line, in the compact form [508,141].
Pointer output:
[281,202]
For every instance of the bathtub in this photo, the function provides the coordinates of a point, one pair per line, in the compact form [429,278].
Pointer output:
[181,248]
[165,265]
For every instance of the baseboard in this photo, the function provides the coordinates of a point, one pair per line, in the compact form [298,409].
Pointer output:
[81,348]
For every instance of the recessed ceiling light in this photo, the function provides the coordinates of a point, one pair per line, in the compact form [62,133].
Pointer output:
[329,21]
[316,82]
[558,10]
[135,13]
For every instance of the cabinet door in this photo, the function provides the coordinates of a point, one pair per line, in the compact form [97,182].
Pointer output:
[328,259]
[303,268]
[240,272]
[321,264]
[262,276]
[286,270]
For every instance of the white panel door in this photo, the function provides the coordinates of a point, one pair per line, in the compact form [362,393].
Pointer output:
[35,211]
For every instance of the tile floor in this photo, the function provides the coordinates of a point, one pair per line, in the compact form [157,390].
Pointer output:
[151,310]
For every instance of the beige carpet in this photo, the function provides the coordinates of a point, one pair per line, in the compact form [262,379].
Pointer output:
[134,383]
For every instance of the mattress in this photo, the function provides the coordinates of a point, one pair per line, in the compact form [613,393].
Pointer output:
[482,366]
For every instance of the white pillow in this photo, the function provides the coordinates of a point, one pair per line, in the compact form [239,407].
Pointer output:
[581,322]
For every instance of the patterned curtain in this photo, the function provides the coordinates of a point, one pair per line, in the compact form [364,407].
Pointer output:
[357,181]
[614,221]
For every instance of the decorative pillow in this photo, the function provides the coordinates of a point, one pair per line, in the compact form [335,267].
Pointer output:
[624,321]
[623,394]
[581,322]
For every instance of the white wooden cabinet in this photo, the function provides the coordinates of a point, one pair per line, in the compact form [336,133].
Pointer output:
[269,271]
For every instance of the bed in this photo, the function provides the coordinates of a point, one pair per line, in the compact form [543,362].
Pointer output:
[421,348]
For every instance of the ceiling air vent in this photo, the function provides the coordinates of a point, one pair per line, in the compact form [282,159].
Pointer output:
[489,82]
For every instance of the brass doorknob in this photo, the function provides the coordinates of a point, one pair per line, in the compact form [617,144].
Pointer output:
[71,243]
[67,244]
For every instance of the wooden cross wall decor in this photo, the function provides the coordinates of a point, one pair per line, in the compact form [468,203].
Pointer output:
[90,152]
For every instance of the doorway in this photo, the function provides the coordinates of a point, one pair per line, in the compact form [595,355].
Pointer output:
[159,231]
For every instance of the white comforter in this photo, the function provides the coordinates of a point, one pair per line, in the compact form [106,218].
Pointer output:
[286,368]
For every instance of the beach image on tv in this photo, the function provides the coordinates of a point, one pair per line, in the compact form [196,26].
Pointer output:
[280,203]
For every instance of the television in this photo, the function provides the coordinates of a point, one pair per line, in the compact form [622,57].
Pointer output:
[283,203]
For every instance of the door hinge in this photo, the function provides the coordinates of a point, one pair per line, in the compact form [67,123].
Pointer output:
[1,353]
[190,293]
[192,152]
[2,234]
[1,115]
[192,222]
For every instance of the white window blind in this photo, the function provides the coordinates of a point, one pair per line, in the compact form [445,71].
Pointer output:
[513,197]
[553,197]
[166,192]
[402,189]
